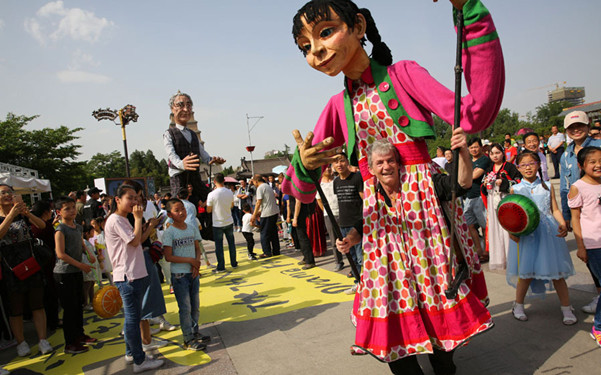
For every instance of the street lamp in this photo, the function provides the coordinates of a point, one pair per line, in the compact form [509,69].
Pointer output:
[125,114]
[250,148]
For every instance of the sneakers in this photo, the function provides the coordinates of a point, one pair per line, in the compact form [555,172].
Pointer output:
[148,364]
[308,266]
[4,371]
[88,308]
[171,290]
[85,339]
[351,290]
[166,326]
[518,312]
[218,271]
[75,349]
[568,316]
[154,331]
[45,347]
[252,257]
[339,266]
[23,349]
[154,344]
[154,321]
[596,335]
[591,308]
[194,345]
[202,338]
[129,359]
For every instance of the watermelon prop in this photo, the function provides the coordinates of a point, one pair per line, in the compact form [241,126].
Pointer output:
[107,301]
[518,215]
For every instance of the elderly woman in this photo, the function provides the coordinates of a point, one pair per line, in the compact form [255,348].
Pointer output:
[400,302]
[15,247]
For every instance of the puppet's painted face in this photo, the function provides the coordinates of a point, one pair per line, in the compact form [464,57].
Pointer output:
[330,46]
[182,110]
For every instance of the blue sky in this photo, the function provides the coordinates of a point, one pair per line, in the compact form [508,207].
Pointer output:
[63,59]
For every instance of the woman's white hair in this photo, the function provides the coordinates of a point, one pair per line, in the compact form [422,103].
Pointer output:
[382,147]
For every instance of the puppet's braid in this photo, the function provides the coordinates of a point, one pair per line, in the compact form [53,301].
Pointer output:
[380,52]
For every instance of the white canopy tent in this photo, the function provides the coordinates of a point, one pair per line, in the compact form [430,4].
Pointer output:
[25,185]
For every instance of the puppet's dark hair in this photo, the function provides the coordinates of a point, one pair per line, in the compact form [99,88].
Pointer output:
[318,10]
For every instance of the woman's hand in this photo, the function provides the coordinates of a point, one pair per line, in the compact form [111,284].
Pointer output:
[458,139]
[312,156]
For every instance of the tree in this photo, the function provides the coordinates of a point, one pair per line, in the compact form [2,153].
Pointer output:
[546,115]
[106,165]
[228,171]
[144,164]
[443,133]
[506,122]
[49,151]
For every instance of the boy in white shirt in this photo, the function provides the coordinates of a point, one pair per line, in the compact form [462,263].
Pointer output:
[247,231]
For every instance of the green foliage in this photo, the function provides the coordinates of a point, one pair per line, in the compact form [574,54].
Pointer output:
[141,164]
[443,135]
[506,122]
[106,165]
[546,115]
[228,171]
[49,151]
[144,164]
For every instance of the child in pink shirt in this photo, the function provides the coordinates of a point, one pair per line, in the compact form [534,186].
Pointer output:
[124,247]
[584,200]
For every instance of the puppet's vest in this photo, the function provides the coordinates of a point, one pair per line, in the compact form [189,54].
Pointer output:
[182,147]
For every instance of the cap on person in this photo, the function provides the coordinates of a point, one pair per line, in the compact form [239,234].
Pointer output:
[94,190]
[575,117]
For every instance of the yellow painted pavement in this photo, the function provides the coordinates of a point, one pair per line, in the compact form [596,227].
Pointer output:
[256,289]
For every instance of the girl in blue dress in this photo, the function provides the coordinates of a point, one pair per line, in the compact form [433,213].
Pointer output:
[541,256]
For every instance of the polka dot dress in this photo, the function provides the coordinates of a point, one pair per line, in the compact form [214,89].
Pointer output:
[400,307]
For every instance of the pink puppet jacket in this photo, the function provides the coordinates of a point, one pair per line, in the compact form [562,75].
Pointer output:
[419,95]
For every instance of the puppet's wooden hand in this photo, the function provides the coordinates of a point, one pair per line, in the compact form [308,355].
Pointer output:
[311,155]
